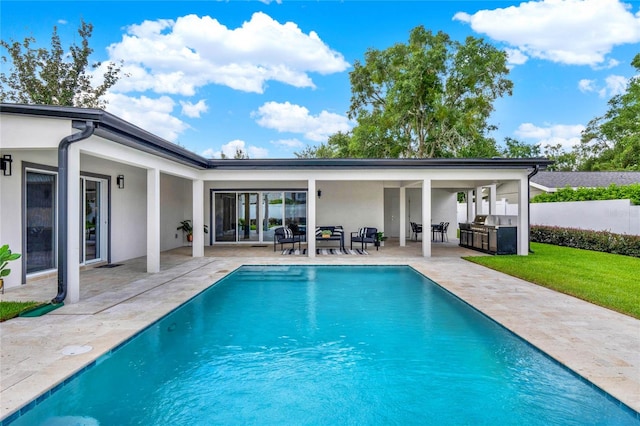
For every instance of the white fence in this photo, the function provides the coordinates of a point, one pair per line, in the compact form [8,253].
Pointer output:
[617,216]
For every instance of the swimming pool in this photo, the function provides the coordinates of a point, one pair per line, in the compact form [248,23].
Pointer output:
[326,345]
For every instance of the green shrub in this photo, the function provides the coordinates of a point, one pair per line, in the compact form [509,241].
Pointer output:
[612,192]
[604,241]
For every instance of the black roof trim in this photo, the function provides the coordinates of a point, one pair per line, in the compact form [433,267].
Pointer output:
[114,128]
[369,163]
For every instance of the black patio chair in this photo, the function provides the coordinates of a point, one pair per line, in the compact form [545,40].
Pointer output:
[436,228]
[364,236]
[440,229]
[416,229]
[284,235]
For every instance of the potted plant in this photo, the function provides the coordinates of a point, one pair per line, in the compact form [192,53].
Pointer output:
[379,239]
[185,226]
[5,257]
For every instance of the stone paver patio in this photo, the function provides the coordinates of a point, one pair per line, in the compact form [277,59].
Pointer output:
[601,345]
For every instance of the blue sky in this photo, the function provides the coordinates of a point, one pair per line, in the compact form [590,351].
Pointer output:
[271,78]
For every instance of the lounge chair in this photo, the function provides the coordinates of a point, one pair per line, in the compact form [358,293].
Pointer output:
[284,235]
[364,236]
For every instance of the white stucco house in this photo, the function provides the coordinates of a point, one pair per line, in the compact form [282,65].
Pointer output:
[80,186]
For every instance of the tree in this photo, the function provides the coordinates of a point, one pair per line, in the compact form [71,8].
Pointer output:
[44,76]
[612,142]
[518,149]
[428,98]
[238,155]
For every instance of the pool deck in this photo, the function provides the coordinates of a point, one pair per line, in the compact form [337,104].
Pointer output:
[38,353]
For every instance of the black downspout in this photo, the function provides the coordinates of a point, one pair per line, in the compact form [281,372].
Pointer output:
[63,197]
[532,174]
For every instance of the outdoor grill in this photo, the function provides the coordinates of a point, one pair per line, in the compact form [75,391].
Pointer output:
[495,234]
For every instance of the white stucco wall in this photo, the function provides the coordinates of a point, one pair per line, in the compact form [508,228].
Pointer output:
[350,204]
[19,132]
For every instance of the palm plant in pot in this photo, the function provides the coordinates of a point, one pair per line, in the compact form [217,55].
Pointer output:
[185,226]
[5,257]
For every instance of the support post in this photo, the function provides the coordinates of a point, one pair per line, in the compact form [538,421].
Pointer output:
[479,209]
[523,217]
[426,218]
[311,218]
[197,248]
[470,216]
[403,216]
[153,220]
[74,205]
[492,198]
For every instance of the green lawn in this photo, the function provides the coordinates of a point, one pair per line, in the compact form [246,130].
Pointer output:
[608,280]
[10,310]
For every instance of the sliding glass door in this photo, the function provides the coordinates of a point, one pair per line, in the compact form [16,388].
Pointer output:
[248,216]
[225,217]
[40,211]
[253,216]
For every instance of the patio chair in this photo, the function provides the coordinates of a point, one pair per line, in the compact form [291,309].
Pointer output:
[416,229]
[440,229]
[445,227]
[436,228]
[364,236]
[284,235]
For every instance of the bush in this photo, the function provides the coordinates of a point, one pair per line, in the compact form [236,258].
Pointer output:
[608,242]
[612,192]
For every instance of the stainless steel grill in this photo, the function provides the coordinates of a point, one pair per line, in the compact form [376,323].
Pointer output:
[490,233]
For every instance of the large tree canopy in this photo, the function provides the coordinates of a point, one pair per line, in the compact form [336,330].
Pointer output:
[612,142]
[431,97]
[44,76]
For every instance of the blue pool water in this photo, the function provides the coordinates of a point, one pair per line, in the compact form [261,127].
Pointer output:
[327,345]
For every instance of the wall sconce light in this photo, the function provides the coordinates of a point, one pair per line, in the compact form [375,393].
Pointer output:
[120,181]
[5,164]
[319,193]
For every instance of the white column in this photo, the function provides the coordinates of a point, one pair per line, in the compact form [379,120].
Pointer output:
[153,220]
[426,218]
[311,219]
[523,217]
[403,216]
[197,248]
[479,209]
[470,206]
[74,203]
[492,199]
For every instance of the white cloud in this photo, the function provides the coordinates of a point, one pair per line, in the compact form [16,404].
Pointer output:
[287,117]
[230,149]
[567,135]
[194,110]
[586,85]
[178,56]
[576,32]
[63,21]
[616,84]
[288,143]
[613,85]
[152,115]
[516,57]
